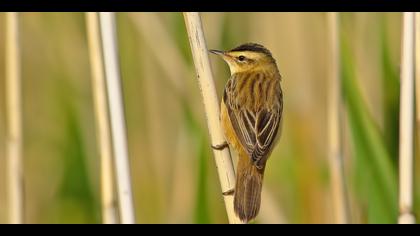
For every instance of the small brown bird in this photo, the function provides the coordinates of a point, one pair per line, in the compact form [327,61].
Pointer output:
[251,116]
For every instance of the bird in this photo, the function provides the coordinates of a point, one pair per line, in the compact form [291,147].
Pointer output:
[251,118]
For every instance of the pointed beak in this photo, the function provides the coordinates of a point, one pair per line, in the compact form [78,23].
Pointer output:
[217,52]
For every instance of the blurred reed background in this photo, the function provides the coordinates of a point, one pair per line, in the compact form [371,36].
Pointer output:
[173,171]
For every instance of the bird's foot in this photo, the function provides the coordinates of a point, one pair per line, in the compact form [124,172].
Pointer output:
[220,146]
[229,192]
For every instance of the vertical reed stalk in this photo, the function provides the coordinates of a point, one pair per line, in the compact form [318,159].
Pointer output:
[116,109]
[211,106]
[406,121]
[108,201]
[14,121]
[417,69]
[335,150]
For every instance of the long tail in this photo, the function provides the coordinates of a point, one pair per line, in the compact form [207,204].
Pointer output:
[247,198]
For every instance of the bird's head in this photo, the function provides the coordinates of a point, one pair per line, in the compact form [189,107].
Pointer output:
[247,57]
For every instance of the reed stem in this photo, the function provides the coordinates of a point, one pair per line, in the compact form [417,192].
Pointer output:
[211,105]
[108,201]
[15,179]
[338,183]
[406,154]
[116,109]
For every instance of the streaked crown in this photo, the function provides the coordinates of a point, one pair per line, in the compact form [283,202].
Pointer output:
[248,57]
[252,47]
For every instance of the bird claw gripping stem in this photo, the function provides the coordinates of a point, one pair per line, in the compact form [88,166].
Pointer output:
[220,146]
[229,192]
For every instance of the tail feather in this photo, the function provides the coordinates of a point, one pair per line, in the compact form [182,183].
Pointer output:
[248,187]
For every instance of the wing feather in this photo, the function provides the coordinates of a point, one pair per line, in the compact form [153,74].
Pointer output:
[255,129]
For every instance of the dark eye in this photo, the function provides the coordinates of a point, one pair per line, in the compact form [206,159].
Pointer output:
[241,58]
